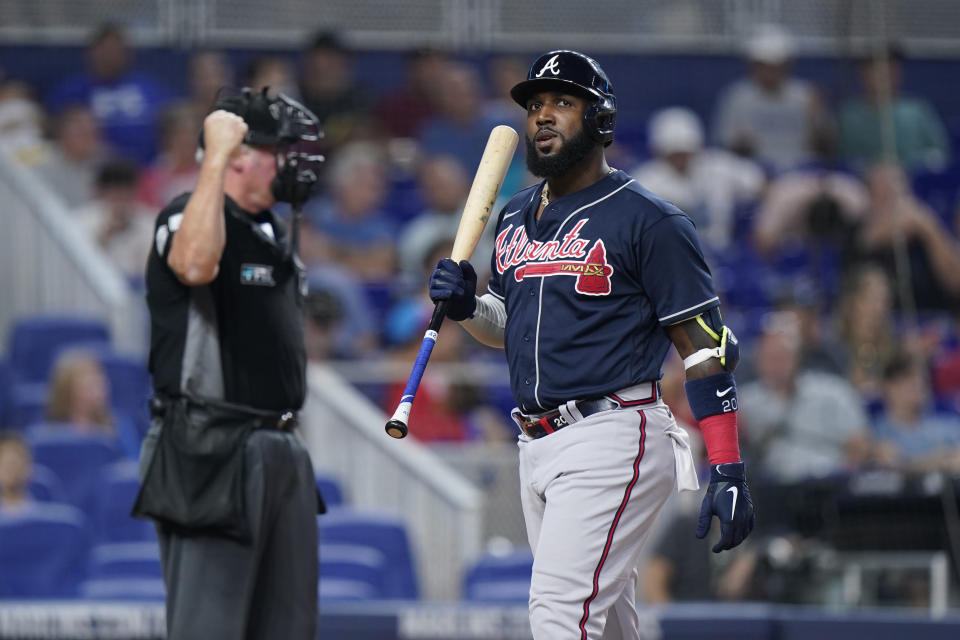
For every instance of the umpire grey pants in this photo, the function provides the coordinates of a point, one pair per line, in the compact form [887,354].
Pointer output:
[218,588]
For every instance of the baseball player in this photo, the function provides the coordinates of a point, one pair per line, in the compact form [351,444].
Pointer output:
[592,278]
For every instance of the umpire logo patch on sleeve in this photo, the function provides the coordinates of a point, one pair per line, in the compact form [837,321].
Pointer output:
[257,274]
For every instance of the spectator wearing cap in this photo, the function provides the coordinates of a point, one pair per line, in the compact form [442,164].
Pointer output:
[769,115]
[914,436]
[340,323]
[126,102]
[708,184]
[919,135]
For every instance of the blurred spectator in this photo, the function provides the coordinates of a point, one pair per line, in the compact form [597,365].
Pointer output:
[339,321]
[125,101]
[349,226]
[79,399]
[709,185]
[819,349]
[444,186]
[865,326]
[816,203]
[16,468]
[769,115]
[273,72]
[208,72]
[449,407]
[79,153]
[175,170]
[919,136]
[800,424]
[933,255]
[328,88]
[403,112]
[915,437]
[505,71]
[116,221]
[21,125]
[460,129]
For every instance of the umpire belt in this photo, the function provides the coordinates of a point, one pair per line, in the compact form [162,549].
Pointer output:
[283,421]
[543,424]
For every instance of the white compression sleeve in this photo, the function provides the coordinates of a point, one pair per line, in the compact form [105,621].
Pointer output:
[488,321]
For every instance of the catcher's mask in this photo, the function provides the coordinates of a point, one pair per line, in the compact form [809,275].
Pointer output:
[285,123]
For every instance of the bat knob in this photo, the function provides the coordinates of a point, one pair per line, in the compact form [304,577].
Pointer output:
[396,429]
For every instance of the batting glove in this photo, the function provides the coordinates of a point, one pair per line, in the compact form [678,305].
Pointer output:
[728,497]
[457,284]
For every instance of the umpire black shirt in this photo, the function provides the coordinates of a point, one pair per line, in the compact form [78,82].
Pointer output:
[240,337]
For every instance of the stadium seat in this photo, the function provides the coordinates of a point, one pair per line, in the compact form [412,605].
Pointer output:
[125,560]
[35,342]
[77,458]
[351,572]
[382,532]
[43,551]
[45,485]
[27,404]
[329,488]
[114,496]
[500,578]
[130,386]
[124,571]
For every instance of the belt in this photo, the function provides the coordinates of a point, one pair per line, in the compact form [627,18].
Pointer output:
[285,421]
[543,424]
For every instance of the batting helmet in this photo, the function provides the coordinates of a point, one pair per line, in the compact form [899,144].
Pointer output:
[574,72]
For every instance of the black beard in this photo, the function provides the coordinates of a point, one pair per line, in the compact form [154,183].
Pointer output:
[570,153]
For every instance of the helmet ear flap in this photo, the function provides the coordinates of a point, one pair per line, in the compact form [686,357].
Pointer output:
[600,119]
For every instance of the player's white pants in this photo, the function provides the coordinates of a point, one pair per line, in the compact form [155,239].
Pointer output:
[590,493]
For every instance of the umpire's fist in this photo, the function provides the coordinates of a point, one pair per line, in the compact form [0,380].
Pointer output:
[223,132]
[728,497]
[457,284]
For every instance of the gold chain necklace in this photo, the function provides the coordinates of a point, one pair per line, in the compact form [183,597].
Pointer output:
[545,194]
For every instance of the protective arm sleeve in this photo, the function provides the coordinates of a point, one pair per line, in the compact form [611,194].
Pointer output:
[488,321]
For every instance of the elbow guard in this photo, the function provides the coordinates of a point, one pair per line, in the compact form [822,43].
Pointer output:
[727,351]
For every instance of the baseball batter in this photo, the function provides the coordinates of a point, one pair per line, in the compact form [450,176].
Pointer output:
[593,278]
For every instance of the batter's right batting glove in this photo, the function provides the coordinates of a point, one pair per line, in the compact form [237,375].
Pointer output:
[728,497]
[457,284]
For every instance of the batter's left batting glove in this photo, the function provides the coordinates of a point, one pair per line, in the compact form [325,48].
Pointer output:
[457,284]
[728,498]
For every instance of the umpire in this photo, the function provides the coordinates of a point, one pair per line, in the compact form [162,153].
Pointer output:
[229,485]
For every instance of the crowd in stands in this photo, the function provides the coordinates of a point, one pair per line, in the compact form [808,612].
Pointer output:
[840,275]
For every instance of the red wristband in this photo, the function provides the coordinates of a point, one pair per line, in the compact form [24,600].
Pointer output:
[720,436]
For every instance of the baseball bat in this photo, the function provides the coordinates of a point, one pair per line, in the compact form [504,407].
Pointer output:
[476,211]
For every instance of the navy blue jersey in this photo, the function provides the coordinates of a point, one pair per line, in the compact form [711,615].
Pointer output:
[589,288]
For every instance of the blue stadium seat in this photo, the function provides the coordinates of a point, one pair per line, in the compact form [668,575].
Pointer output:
[130,386]
[125,560]
[329,488]
[43,551]
[128,589]
[77,458]
[5,384]
[124,571]
[27,404]
[382,532]
[45,485]
[940,190]
[35,341]
[352,572]
[114,496]
[499,578]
